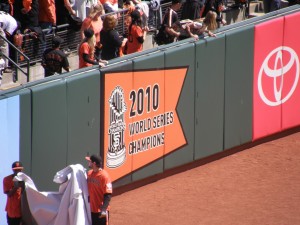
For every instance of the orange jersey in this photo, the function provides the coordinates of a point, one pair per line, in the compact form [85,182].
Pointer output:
[99,183]
[13,203]
[47,12]
[95,25]
[84,49]
[133,45]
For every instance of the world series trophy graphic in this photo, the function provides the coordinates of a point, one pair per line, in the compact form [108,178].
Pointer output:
[116,154]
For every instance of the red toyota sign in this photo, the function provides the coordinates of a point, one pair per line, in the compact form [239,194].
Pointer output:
[276,93]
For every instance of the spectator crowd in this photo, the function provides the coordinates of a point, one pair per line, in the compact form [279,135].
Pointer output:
[97,21]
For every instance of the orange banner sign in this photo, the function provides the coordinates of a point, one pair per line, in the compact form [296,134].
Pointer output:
[141,124]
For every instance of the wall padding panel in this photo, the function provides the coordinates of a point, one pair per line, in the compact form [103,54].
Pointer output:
[49,132]
[83,108]
[210,64]
[183,56]
[238,87]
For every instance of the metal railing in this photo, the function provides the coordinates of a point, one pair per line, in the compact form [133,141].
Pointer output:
[17,67]
[33,48]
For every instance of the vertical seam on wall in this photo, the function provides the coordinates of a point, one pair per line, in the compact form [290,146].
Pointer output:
[163,161]
[224,92]
[31,130]
[67,114]
[195,100]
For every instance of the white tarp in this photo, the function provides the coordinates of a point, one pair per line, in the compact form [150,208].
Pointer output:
[68,206]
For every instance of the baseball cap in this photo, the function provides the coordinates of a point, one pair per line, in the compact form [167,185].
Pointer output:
[94,159]
[56,40]
[88,33]
[17,166]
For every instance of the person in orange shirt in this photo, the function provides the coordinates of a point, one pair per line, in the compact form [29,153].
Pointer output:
[86,50]
[47,14]
[100,190]
[13,190]
[94,22]
[136,34]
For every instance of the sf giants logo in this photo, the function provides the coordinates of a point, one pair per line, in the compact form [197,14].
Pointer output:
[116,154]
[276,71]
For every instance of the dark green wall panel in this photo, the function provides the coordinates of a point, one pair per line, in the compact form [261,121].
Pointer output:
[183,56]
[151,61]
[210,58]
[238,87]
[124,66]
[83,108]
[49,132]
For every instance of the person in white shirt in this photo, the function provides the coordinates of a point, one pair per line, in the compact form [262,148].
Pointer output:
[8,26]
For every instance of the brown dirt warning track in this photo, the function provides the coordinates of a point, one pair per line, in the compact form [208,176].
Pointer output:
[257,186]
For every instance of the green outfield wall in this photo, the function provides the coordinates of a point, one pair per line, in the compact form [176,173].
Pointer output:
[153,111]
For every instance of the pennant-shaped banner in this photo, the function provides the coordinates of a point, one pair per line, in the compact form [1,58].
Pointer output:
[140,119]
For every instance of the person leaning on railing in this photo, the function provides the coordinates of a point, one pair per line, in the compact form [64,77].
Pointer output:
[86,51]
[196,28]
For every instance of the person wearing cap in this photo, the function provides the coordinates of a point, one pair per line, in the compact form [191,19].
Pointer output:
[86,50]
[100,190]
[54,59]
[13,190]
[136,34]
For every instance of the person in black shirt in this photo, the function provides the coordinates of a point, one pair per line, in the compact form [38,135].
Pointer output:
[110,39]
[169,29]
[55,59]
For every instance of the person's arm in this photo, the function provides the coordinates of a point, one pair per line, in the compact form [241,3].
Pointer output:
[8,190]
[27,6]
[69,7]
[87,59]
[117,40]
[12,191]
[66,64]
[106,201]
[188,30]
[141,34]
[172,32]
[44,62]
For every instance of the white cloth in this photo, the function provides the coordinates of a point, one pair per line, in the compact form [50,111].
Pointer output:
[4,47]
[68,206]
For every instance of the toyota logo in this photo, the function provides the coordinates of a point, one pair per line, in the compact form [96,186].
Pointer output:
[277,73]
